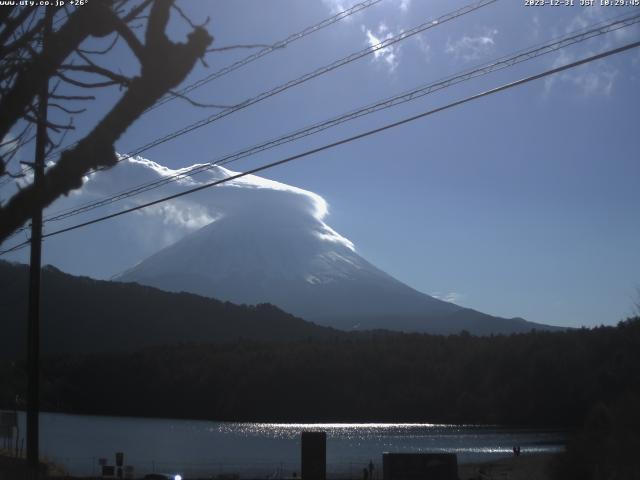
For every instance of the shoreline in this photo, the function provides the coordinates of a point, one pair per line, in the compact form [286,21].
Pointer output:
[524,467]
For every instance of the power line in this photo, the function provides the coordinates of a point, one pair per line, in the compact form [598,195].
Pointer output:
[242,62]
[313,74]
[343,141]
[306,77]
[320,71]
[499,64]
[267,50]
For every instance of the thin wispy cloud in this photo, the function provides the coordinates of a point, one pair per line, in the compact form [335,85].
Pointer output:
[592,15]
[588,80]
[469,48]
[596,78]
[586,17]
[424,47]
[535,27]
[595,82]
[635,61]
[388,54]
[337,6]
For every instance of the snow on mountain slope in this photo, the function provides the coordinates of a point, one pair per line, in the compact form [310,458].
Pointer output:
[250,240]
[268,243]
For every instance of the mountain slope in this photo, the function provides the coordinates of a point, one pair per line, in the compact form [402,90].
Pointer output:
[82,315]
[290,261]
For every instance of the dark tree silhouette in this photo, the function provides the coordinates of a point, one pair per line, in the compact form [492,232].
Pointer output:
[32,55]
[181,355]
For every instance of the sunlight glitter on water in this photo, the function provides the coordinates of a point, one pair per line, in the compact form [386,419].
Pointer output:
[342,430]
[206,447]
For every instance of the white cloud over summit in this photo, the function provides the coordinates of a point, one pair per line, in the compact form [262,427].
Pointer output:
[250,196]
[110,247]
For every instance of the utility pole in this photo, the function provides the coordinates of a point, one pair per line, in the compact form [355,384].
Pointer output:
[33,325]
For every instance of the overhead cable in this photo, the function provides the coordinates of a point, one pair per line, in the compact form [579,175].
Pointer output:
[496,65]
[340,142]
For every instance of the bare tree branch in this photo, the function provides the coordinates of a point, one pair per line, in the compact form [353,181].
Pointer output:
[196,103]
[95,69]
[81,84]
[12,24]
[134,44]
[188,20]
[5,13]
[248,46]
[164,65]
[136,11]
[95,18]
[56,96]
[22,40]
[67,110]
[56,127]
[103,51]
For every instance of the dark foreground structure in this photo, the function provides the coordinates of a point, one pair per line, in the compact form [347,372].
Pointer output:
[395,466]
[420,466]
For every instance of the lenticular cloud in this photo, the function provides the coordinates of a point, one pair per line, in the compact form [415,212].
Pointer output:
[105,249]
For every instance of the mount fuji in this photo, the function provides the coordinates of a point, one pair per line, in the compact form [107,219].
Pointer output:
[267,242]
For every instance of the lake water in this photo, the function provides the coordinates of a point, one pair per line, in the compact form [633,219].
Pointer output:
[203,448]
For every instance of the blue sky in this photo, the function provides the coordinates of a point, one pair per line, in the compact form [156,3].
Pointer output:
[520,204]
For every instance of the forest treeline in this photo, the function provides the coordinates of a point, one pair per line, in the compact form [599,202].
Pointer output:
[535,379]
[83,315]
